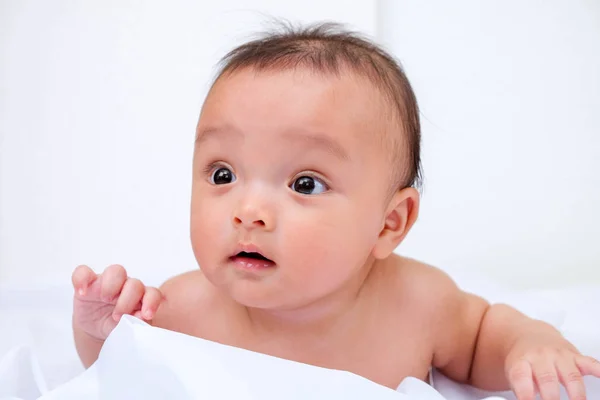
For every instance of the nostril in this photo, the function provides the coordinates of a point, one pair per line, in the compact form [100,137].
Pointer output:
[257,222]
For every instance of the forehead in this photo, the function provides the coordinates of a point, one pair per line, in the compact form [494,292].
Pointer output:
[346,107]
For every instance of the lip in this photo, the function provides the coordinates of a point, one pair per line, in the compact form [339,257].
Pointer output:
[247,248]
[248,263]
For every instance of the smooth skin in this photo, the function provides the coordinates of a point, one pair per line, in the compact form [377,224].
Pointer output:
[336,295]
[535,362]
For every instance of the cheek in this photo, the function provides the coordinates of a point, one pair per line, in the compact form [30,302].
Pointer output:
[330,239]
[208,226]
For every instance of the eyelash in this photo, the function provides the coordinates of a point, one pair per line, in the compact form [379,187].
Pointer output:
[313,175]
[212,167]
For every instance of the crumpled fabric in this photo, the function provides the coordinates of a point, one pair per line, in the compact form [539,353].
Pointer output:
[140,361]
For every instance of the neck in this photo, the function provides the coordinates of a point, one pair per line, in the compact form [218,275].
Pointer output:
[319,315]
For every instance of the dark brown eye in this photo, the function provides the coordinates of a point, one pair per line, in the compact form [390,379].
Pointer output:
[222,176]
[309,185]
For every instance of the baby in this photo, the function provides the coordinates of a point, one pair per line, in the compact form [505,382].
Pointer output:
[305,176]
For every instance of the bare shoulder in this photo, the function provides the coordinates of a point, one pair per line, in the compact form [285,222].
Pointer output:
[430,294]
[421,284]
[182,286]
[451,316]
[183,295]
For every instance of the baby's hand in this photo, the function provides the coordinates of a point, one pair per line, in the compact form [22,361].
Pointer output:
[101,300]
[532,369]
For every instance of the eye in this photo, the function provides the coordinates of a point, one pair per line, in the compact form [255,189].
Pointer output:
[309,185]
[222,176]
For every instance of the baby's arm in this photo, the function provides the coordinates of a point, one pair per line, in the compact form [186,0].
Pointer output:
[495,347]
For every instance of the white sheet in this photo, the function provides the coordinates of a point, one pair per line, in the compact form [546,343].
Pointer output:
[142,362]
[38,319]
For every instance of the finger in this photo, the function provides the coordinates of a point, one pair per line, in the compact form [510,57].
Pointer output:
[546,378]
[82,278]
[521,380]
[588,365]
[571,378]
[152,299]
[113,279]
[130,298]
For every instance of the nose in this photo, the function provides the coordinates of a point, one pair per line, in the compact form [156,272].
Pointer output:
[248,223]
[254,212]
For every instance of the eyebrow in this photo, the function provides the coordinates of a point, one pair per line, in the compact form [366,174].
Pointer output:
[208,133]
[321,140]
[310,138]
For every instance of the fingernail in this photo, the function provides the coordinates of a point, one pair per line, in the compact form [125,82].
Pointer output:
[81,292]
[147,314]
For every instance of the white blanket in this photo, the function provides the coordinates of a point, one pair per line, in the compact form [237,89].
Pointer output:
[38,359]
[142,362]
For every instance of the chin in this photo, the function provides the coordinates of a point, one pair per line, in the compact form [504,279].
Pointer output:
[254,297]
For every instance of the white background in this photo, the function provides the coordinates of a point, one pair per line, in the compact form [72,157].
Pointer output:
[99,100]
[510,101]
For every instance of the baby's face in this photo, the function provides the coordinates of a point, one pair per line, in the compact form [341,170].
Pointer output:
[290,165]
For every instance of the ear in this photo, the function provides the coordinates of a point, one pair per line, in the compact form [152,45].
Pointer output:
[400,216]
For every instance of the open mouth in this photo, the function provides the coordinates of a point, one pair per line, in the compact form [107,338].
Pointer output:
[252,261]
[252,255]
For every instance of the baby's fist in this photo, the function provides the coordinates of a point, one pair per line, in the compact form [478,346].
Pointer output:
[101,300]
[542,369]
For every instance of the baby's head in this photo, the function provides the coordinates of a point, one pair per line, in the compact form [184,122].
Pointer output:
[307,152]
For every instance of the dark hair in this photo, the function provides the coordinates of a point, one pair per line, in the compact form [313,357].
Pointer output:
[327,47]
